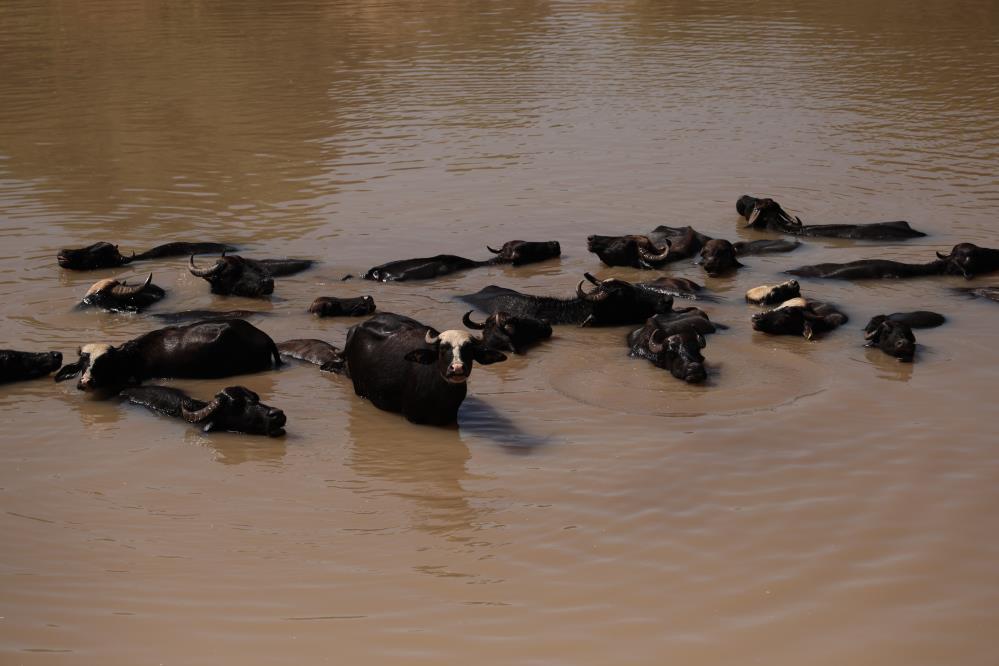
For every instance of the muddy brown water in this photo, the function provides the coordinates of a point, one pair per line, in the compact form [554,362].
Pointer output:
[812,503]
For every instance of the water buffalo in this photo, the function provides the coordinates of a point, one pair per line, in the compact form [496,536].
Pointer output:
[218,348]
[119,296]
[718,257]
[106,255]
[679,351]
[773,294]
[768,214]
[894,338]
[915,319]
[991,293]
[330,306]
[869,269]
[199,315]
[401,365]
[253,278]
[614,302]
[675,287]
[683,319]
[16,366]
[634,250]
[233,409]
[503,331]
[317,352]
[799,317]
[969,260]
[516,252]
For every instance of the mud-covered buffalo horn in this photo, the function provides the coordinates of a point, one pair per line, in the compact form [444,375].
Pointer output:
[654,346]
[205,272]
[652,257]
[595,295]
[492,250]
[124,290]
[467,321]
[199,415]
[942,256]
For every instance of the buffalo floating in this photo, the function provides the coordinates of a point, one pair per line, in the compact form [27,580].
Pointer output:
[893,334]
[233,409]
[237,276]
[17,366]
[769,215]
[118,296]
[517,253]
[106,255]
[311,350]
[330,306]
[799,317]
[503,331]
[773,294]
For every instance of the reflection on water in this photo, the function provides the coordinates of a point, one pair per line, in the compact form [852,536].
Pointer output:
[808,489]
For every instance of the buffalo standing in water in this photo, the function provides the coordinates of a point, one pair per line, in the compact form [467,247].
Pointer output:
[233,409]
[665,245]
[516,252]
[768,214]
[893,334]
[237,276]
[17,366]
[119,296]
[106,255]
[965,259]
[614,302]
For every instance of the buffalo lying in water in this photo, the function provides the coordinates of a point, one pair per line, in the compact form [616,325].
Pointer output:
[664,245]
[768,214]
[233,409]
[119,296]
[773,294]
[201,315]
[676,287]
[965,259]
[330,306]
[517,253]
[503,331]
[237,276]
[401,365]
[676,348]
[893,335]
[613,302]
[311,350]
[799,317]
[106,255]
[16,366]
[218,348]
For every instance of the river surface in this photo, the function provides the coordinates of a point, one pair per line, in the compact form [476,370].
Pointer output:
[812,503]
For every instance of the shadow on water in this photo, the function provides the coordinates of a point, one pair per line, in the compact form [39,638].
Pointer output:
[481,419]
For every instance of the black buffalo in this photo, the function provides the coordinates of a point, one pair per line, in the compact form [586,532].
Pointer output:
[515,252]
[768,214]
[773,294]
[219,348]
[200,315]
[401,365]
[869,269]
[16,366]
[991,293]
[106,255]
[799,317]
[678,351]
[718,257]
[311,350]
[969,260]
[664,245]
[633,250]
[330,306]
[893,334]
[614,302]
[676,287]
[119,296]
[503,331]
[253,278]
[233,409]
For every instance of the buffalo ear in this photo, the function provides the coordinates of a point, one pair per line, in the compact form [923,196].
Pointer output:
[424,356]
[486,356]
[69,371]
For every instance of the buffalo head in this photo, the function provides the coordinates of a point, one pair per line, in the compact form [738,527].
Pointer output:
[679,353]
[453,353]
[236,276]
[635,250]
[92,257]
[506,332]
[894,338]
[111,294]
[718,257]
[518,252]
[102,367]
[616,302]
[764,213]
[969,260]
[237,409]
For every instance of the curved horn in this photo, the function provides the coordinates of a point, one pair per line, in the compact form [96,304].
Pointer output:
[595,296]
[431,339]
[124,290]
[467,321]
[492,250]
[652,257]
[654,346]
[942,256]
[592,280]
[199,415]
[751,220]
[204,272]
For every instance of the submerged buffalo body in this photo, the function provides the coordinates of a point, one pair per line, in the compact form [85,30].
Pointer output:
[119,296]
[330,306]
[503,331]
[614,302]
[675,287]
[207,349]
[965,259]
[106,255]
[201,315]
[677,349]
[16,366]
[893,334]
[234,409]
[633,250]
[403,366]
[311,350]
[516,252]
[799,317]
[237,276]
[991,293]
[774,294]
[768,214]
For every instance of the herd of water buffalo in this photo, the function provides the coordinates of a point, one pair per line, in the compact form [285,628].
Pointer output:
[402,365]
